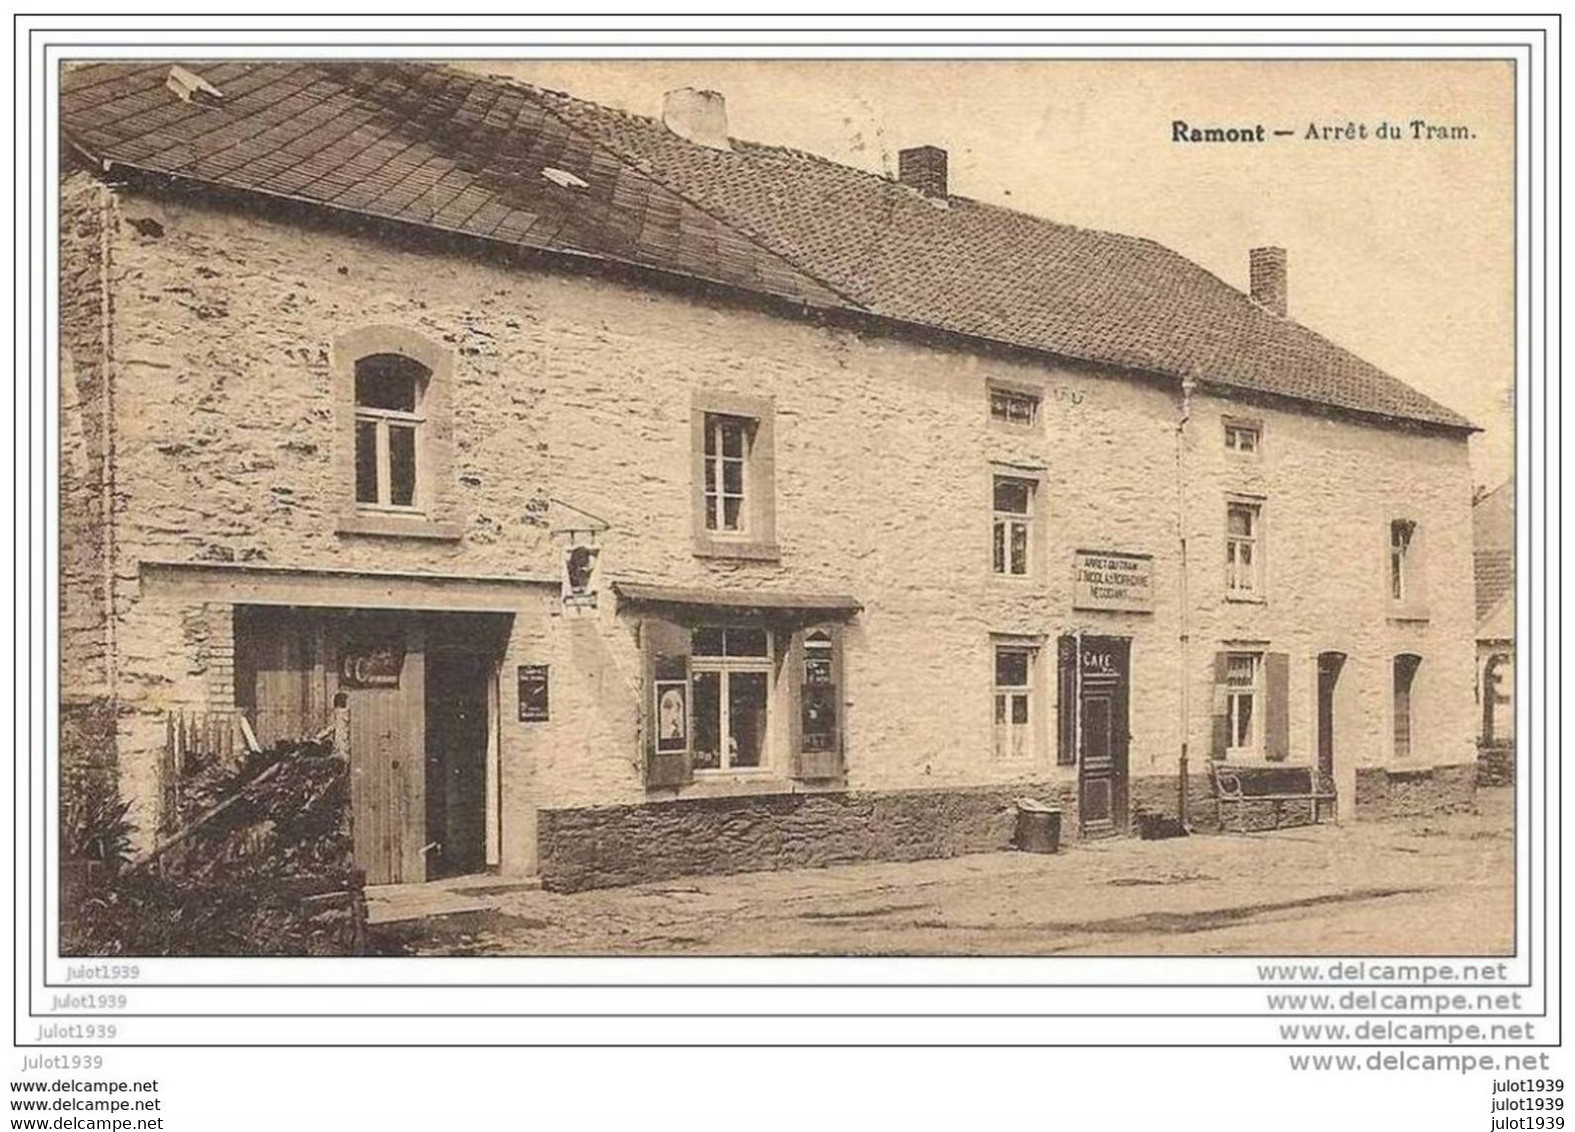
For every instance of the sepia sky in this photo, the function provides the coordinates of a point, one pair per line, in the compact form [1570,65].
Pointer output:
[1401,250]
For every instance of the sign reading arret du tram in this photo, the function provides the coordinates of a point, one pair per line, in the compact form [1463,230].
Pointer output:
[1110,580]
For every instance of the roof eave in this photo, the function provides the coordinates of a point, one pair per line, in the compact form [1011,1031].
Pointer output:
[1250,394]
[843,309]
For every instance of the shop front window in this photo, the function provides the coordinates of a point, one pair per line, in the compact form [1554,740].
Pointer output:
[731,680]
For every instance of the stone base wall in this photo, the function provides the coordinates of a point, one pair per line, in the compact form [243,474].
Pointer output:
[604,846]
[1254,815]
[1496,763]
[1156,794]
[1388,793]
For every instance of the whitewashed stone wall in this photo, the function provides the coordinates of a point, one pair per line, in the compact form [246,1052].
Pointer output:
[579,388]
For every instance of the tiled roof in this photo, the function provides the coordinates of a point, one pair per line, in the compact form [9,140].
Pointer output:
[1495,577]
[431,146]
[1493,518]
[1493,559]
[416,144]
[1497,623]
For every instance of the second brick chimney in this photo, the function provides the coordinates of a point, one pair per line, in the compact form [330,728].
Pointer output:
[923,168]
[1267,275]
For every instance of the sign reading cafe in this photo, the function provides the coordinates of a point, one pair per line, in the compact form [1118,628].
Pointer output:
[1109,580]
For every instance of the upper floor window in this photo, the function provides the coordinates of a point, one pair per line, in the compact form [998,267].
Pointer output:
[1014,407]
[727,444]
[1243,436]
[1243,549]
[734,476]
[1402,533]
[393,451]
[389,389]
[1014,499]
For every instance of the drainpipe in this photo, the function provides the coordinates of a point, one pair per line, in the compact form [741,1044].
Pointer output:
[107,439]
[1183,807]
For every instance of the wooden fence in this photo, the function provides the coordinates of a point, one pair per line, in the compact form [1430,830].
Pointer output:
[198,739]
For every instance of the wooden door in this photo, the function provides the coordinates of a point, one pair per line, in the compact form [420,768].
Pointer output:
[282,677]
[381,673]
[1103,738]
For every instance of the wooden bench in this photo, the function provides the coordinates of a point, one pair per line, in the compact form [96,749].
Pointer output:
[1274,784]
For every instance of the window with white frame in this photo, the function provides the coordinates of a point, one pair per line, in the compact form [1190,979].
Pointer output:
[1013,407]
[388,421]
[1244,437]
[1014,702]
[728,440]
[1402,536]
[730,673]
[1243,549]
[734,475]
[1243,700]
[1013,531]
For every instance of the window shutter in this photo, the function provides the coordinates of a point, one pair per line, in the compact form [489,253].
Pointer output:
[1220,736]
[1066,700]
[1277,710]
[817,724]
[669,758]
[792,677]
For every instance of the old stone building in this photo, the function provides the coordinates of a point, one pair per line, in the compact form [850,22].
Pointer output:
[656,501]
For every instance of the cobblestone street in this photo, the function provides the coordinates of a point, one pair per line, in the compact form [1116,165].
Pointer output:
[1435,885]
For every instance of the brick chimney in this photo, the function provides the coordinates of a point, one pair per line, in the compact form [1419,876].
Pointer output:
[699,116]
[1266,271]
[923,168]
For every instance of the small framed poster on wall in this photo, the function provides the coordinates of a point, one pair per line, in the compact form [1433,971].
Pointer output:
[534,697]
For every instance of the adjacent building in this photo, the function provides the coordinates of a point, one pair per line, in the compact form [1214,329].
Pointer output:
[1493,540]
[654,501]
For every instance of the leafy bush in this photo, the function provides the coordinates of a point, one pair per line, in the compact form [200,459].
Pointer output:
[269,873]
[94,826]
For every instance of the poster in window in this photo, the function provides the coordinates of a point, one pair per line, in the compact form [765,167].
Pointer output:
[534,693]
[818,658]
[672,715]
[819,719]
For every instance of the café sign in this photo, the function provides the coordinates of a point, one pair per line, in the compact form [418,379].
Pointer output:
[373,662]
[1114,581]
